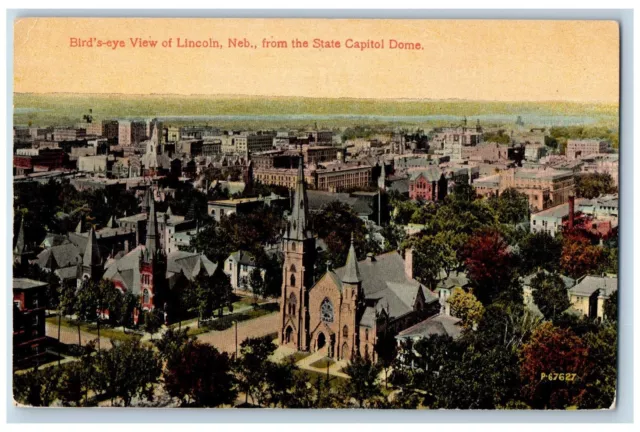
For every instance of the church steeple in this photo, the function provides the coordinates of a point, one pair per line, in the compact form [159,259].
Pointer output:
[92,256]
[20,243]
[300,210]
[352,272]
[151,243]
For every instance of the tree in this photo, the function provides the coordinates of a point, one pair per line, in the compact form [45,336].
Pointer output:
[363,385]
[579,257]
[257,284]
[116,367]
[511,206]
[552,350]
[489,265]
[152,321]
[550,294]
[254,354]
[465,306]
[592,185]
[601,376]
[386,348]
[431,255]
[539,250]
[279,382]
[172,342]
[611,307]
[200,376]
[335,224]
[37,387]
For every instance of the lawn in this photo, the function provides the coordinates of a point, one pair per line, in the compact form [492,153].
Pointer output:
[297,356]
[106,331]
[322,363]
[334,381]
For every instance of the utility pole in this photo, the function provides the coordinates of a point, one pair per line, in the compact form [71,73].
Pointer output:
[236,324]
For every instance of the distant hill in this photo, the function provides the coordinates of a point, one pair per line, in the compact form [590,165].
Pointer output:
[66,108]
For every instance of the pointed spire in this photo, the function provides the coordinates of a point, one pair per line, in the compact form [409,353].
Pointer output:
[169,212]
[112,223]
[300,210]
[151,244]
[80,226]
[352,272]
[92,256]
[20,243]
[146,199]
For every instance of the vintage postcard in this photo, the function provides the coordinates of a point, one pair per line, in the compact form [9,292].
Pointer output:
[315,213]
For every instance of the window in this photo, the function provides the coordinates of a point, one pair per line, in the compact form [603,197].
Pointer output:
[292,304]
[292,280]
[293,245]
[292,269]
[345,332]
[326,311]
[366,334]
[145,296]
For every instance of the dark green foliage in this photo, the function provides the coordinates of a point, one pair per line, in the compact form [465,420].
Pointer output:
[539,250]
[592,185]
[363,385]
[511,206]
[37,387]
[200,376]
[115,371]
[611,307]
[250,367]
[550,294]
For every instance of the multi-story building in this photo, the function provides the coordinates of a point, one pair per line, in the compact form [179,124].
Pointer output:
[239,267]
[486,152]
[577,148]
[42,159]
[131,132]
[219,208]
[319,154]
[553,219]
[449,141]
[110,129]
[68,134]
[172,134]
[211,147]
[590,292]
[29,304]
[603,164]
[429,184]
[545,187]
[339,176]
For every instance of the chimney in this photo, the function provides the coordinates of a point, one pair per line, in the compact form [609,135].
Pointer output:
[408,262]
[572,204]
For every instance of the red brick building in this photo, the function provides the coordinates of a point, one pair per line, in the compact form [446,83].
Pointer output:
[429,184]
[29,335]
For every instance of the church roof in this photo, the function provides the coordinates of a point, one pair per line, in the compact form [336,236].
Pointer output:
[385,283]
[300,211]
[65,255]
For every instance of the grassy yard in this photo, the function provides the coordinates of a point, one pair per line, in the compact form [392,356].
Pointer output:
[334,381]
[106,331]
[297,356]
[322,363]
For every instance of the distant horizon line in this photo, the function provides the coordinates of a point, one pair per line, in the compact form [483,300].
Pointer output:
[388,99]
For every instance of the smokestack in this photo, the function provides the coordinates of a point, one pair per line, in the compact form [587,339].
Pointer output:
[408,262]
[572,204]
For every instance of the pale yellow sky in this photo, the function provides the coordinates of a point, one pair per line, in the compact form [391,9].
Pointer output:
[464,59]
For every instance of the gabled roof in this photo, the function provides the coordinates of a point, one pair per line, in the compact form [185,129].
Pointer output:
[444,325]
[568,282]
[65,255]
[431,174]
[590,284]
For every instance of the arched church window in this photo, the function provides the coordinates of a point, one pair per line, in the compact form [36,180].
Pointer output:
[145,296]
[345,332]
[292,304]
[292,280]
[366,334]
[326,311]
[292,269]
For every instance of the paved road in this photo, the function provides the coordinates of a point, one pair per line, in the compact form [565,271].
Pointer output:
[226,340]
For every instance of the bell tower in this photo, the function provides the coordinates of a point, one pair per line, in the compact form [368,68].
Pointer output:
[351,302]
[297,278]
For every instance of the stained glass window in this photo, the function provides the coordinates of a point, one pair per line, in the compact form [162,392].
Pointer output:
[326,311]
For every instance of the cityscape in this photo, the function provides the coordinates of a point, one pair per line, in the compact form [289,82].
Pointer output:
[211,251]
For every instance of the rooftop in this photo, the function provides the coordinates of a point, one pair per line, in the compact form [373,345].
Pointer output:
[25,284]
[444,325]
[590,284]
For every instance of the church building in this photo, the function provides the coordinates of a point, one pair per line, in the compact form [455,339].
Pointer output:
[348,308]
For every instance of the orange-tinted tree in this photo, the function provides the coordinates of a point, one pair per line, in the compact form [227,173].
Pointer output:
[579,256]
[552,351]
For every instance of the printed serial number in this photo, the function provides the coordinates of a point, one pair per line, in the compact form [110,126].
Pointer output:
[557,376]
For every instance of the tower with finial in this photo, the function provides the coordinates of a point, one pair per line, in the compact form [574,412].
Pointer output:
[20,249]
[352,300]
[92,258]
[299,257]
[152,263]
